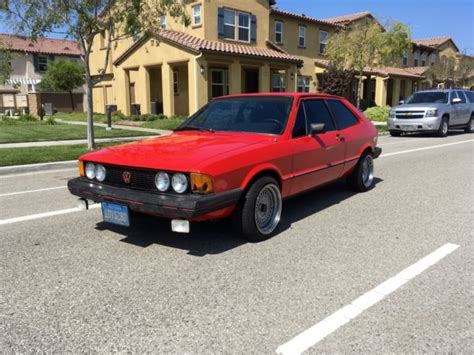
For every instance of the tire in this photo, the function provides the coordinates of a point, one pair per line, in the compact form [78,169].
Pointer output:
[470,125]
[443,127]
[265,192]
[395,133]
[361,179]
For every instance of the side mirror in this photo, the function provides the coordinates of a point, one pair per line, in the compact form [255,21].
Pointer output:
[317,128]
[456,100]
[401,102]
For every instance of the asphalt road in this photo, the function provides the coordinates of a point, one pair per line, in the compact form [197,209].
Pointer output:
[70,283]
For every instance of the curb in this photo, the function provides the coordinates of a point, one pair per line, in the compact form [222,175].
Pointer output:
[15,169]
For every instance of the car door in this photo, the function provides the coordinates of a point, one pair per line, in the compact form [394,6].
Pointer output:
[317,159]
[463,109]
[455,114]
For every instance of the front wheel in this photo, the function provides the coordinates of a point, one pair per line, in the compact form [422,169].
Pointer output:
[395,133]
[443,127]
[470,125]
[362,178]
[259,213]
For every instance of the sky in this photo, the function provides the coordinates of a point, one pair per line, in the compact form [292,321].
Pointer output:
[426,18]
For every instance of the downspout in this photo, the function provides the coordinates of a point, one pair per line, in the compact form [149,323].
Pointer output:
[196,69]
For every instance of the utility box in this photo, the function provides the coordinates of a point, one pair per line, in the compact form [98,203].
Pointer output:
[156,107]
[48,109]
[135,109]
[110,108]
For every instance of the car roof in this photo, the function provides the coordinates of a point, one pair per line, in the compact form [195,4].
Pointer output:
[285,94]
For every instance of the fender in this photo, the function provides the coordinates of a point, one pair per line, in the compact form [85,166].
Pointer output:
[256,170]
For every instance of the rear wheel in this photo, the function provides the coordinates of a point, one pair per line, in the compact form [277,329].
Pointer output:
[362,178]
[443,127]
[259,213]
[395,133]
[470,125]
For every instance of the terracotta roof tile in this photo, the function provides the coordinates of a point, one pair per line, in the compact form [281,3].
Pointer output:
[417,70]
[40,45]
[347,19]
[302,17]
[432,42]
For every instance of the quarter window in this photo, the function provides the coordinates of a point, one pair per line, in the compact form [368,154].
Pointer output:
[219,82]
[278,83]
[302,36]
[304,83]
[317,112]
[278,32]
[197,15]
[323,41]
[470,95]
[344,117]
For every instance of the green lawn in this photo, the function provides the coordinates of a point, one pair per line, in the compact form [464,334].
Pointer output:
[17,131]
[170,123]
[81,117]
[382,128]
[20,156]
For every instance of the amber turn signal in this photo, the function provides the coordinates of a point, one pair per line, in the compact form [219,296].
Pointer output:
[201,184]
[80,164]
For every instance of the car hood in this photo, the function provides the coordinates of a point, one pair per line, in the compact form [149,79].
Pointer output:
[180,151]
[417,107]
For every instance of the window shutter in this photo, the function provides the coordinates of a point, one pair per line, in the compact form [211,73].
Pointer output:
[253,28]
[35,62]
[220,22]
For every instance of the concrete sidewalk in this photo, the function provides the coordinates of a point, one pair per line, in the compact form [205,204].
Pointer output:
[161,132]
[71,142]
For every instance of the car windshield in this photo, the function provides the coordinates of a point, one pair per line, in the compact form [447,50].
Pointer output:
[254,114]
[438,97]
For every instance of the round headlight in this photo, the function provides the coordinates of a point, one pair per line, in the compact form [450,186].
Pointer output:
[179,182]
[100,172]
[90,171]
[162,181]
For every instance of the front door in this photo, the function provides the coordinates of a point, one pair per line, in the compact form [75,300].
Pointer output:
[251,80]
[463,112]
[316,159]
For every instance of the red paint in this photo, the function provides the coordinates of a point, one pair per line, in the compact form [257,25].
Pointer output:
[234,159]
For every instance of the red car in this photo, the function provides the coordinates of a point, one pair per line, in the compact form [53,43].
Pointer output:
[238,156]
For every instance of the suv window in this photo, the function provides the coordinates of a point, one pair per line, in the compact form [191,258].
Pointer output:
[461,96]
[344,117]
[299,129]
[470,95]
[317,112]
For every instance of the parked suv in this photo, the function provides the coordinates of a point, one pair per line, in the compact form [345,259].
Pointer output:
[433,111]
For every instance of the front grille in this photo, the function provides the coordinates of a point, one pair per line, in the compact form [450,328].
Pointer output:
[410,114]
[140,179]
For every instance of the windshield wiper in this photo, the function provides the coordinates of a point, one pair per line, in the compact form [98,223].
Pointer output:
[194,128]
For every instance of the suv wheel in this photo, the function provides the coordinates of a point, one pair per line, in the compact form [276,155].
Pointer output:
[362,178]
[259,213]
[395,133]
[443,127]
[470,125]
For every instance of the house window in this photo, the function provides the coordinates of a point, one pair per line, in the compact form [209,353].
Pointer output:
[244,27]
[175,83]
[219,82]
[236,25]
[301,36]
[433,58]
[278,82]
[278,32]
[163,22]
[197,15]
[323,41]
[405,58]
[42,63]
[304,83]
[424,56]
[416,58]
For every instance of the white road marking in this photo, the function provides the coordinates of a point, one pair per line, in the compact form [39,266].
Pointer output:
[319,331]
[425,148]
[29,191]
[37,172]
[44,215]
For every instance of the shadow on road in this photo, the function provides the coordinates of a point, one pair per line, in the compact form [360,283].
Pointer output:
[210,238]
[432,135]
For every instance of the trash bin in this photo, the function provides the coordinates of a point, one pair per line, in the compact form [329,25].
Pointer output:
[135,108]
[156,107]
[48,109]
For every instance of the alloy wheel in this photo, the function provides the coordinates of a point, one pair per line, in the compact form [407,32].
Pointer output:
[268,207]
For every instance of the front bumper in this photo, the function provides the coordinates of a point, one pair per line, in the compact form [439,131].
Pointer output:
[427,124]
[164,205]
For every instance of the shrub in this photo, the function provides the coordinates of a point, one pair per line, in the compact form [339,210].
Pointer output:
[51,121]
[118,115]
[377,113]
[27,118]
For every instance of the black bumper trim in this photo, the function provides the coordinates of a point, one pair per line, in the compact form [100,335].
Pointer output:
[377,152]
[165,205]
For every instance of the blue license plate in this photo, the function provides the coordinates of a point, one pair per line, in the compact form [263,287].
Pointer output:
[116,214]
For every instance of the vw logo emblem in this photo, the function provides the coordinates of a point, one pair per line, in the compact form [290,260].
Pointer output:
[127,177]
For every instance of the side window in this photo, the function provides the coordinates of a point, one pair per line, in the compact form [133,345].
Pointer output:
[299,129]
[317,112]
[461,96]
[470,95]
[344,117]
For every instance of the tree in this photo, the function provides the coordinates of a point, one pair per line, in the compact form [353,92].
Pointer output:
[335,81]
[5,65]
[464,70]
[83,20]
[443,71]
[63,75]
[367,45]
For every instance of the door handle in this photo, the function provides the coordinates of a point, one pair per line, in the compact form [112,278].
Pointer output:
[340,138]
